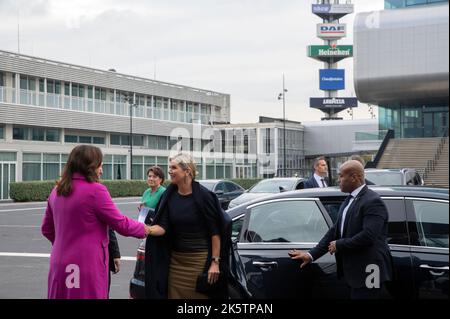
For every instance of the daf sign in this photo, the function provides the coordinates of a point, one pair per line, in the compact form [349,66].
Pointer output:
[331,31]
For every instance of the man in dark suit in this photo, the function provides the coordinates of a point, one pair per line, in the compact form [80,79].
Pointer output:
[114,256]
[319,178]
[358,239]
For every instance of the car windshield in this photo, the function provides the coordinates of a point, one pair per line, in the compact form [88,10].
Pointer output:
[385,178]
[272,186]
[208,185]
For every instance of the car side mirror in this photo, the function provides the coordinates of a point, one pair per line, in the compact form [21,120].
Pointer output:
[219,192]
[282,189]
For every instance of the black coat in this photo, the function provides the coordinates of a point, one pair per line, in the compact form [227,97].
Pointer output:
[113,249]
[364,241]
[158,249]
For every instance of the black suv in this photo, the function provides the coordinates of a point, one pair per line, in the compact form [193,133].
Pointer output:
[265,230]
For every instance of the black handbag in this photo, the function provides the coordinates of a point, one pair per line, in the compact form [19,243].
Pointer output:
[202,285]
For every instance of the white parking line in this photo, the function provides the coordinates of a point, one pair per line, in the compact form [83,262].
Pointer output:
[34,255]
[20,226]
[21,209]
[12,210]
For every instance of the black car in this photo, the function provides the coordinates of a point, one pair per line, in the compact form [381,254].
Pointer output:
[265,230]
[225,190]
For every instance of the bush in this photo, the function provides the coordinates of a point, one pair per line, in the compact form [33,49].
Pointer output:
[30,191]
[39,191]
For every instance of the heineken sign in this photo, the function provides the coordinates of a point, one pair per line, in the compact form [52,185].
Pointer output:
[326,52]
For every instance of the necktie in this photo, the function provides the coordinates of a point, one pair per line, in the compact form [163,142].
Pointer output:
[344,212]
[323,183]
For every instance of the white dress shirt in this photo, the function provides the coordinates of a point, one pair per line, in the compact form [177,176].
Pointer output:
[344,213]
[319,180]
[354,194]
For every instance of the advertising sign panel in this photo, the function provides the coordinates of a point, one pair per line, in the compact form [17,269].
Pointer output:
[332,8]
[333,102]
[332,79]
[331,30]
[326,52]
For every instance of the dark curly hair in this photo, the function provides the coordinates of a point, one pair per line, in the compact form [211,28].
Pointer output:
[83,159]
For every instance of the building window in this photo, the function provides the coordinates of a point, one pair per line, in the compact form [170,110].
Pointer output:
[8,157]
[35,134]
[98,140]
[27,83]
[124,139]
[2,134]
[51,166]
[70,138]
[84,139]
[42,166]
[31,167]
[158,142]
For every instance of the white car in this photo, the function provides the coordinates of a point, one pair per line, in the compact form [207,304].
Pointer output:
[267,187]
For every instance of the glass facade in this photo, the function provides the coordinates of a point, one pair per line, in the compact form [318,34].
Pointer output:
[42,166]
[413,121]
[410,122]
[395,4]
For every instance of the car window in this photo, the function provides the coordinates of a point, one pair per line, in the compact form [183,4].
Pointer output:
[286,221]
[236,227]
[332,206]
[220,187]
[431,220]
[410,178]
[397,228]
[230,187]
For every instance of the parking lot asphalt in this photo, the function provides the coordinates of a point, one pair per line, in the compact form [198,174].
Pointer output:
[24,251]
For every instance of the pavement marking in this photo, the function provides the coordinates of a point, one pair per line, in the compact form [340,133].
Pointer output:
[12,210]
[21,209]
[35,255]
[20,226]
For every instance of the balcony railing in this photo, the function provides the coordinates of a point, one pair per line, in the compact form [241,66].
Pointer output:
[26,97]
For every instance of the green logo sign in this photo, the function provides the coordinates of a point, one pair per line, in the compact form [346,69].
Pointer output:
[326,52]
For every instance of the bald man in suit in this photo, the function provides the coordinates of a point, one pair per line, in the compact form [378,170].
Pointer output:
[358,239]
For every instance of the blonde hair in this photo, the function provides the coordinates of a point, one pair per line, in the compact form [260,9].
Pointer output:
[186,162]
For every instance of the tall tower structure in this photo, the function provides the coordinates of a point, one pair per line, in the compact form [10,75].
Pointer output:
[332,79]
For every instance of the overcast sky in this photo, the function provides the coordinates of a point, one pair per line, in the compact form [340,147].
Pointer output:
[239,47]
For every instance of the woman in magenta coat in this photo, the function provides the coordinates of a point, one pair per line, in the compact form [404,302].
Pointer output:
[79,212]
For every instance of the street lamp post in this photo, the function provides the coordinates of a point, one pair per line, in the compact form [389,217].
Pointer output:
[282,96]
[130,100]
